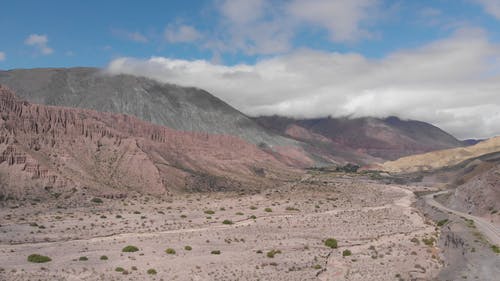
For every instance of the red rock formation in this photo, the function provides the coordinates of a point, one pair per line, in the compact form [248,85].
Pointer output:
[62,148]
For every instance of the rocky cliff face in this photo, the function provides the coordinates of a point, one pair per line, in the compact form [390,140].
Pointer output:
[48,150]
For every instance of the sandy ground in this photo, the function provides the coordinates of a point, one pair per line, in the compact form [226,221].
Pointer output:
[376,222]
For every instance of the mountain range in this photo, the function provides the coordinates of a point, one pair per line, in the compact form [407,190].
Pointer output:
[85,128]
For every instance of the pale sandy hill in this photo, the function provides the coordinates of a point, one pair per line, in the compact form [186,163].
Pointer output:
[442,158]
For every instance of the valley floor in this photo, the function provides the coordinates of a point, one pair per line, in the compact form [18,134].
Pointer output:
[276,234]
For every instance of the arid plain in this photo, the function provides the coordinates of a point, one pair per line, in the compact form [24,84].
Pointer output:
[271,234]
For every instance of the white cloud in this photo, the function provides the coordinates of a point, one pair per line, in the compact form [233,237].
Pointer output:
[129,35]
[2,56]
[269,27]
[453,83]
[492,7]
[342,18]
[181,34]
[39,41]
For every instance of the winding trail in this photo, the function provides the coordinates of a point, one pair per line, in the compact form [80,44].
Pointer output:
[491,231]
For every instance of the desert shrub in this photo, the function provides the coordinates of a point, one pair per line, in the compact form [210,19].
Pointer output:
[134,267]
[151,271]
[183,216]
[36,258]
[429,241]
[495,249]
[317,266]
[96,200]
[239,214]
[209,212]
[130,249]
[170,251]
[188,248]
[253,217]
[253,208]
[331,242]
[291,209]
[119,269]
[215,252]
[104,258]
[346,253]
[272,253]
[268,210]
[227,222]
[83,258]
[442,222]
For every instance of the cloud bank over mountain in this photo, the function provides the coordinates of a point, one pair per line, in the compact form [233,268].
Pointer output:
[453,83]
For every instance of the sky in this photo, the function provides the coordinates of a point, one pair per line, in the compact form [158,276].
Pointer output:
[432,60]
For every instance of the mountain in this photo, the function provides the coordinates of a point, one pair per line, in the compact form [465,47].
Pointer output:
[376,139]
[180,108]
[52,151]
[442,158]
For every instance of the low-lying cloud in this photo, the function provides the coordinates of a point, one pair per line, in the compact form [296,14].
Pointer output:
[453,83]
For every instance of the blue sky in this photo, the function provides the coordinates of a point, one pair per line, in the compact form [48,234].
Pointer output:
[92,33]
[432,60]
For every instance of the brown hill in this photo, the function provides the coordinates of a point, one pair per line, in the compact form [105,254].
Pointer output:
[57,151]
[363,140]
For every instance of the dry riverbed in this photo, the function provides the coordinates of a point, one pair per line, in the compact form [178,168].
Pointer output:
[276,234]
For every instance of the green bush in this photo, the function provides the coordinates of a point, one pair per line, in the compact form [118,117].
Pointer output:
[317,266]
[96,200]
[272,253]
[151,271]
[170,251]
[442,222]
[188,248]
[209,212]
[268,210]
[130,249]
[227,222]
[36,258]
[83,259]
[104,258]
[331,242]
[119,269]
[429,241]
[215,252]
[495,249]
[346,253]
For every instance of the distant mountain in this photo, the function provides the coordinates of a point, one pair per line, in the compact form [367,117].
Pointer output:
[472,141]
[180,108]
[377,139]
[50,151]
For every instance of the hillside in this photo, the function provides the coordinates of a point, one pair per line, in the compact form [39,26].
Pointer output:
[180,108]
[56,151]
[442,158]
[377,139]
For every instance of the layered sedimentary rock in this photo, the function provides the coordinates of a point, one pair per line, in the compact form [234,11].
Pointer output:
[49,150]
